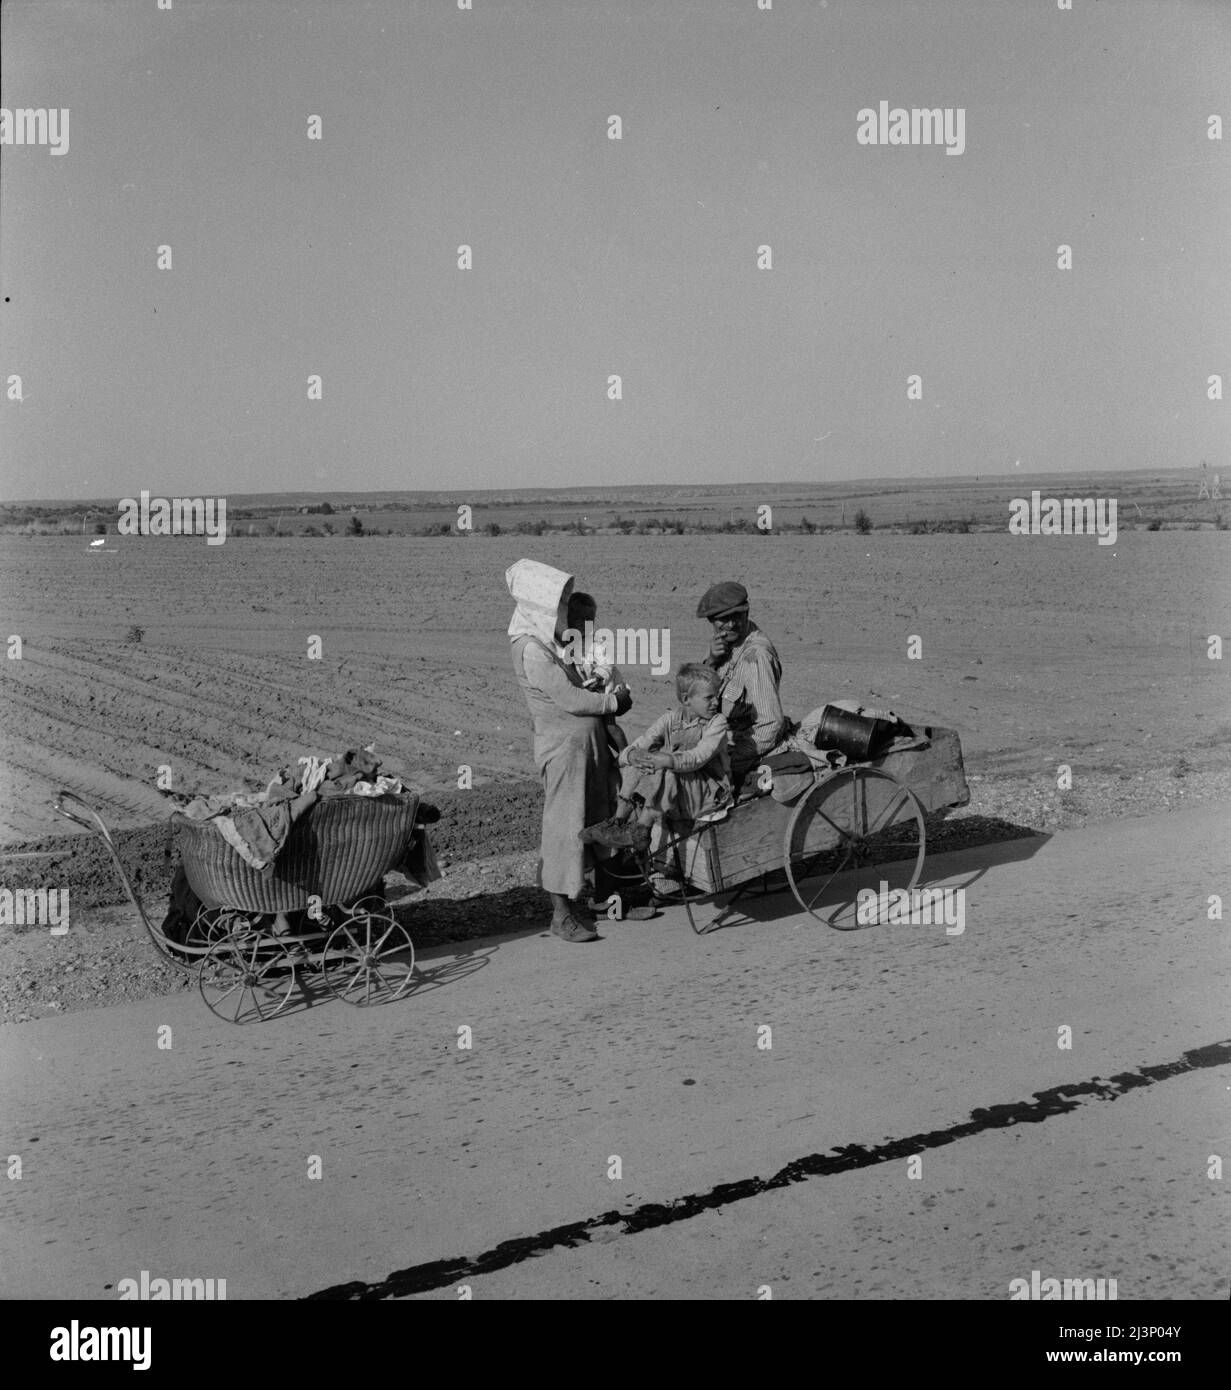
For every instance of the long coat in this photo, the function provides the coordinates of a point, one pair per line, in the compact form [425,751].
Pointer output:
[570,741]
[573,759]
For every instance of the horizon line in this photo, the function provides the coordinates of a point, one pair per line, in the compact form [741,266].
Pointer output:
[546,493]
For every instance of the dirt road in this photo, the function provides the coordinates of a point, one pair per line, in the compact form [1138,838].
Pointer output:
[194,1160]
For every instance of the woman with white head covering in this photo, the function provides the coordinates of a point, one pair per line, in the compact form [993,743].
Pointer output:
[570,741]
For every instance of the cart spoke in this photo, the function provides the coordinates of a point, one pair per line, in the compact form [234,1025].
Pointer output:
[389,968]
[803,875]
[345,929]
[391,927]
[820,892]
[886,817]
[845,834]
[270,1001]
[359,969]
[396,979]
[806,870]
[374,970]
[274,974]
[239,984]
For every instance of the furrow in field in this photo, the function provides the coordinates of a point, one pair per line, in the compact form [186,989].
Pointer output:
[217,719]
[122,799]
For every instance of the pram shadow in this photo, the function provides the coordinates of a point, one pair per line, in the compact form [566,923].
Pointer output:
[771,900]
[463,961]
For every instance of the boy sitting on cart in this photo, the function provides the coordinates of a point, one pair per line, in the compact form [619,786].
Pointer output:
[679,769]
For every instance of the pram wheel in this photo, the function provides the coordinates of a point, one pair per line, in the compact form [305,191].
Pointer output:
[246,977]
[369,957]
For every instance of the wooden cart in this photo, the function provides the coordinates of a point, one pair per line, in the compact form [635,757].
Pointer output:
[858,826]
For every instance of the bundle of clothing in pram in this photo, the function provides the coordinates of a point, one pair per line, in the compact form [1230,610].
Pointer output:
[256,823]
[796,760]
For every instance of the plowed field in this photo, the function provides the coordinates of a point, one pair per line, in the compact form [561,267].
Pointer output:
[1039,650]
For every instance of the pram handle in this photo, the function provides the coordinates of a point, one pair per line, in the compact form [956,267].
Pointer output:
[98,826]
[95,823]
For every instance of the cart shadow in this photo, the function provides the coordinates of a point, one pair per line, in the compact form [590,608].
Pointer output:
[465,961]
[988,839]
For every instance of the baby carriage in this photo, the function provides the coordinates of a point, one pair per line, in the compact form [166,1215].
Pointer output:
[240,944]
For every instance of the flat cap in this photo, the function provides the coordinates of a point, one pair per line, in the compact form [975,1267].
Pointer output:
[722,598]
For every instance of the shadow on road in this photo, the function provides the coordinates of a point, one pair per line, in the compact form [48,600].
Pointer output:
[454,938]
[986,842]
[462,963]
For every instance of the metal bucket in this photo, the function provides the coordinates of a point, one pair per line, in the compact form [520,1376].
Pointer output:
[857,735]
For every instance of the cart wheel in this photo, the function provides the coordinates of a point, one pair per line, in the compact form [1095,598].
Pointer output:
[878,824]
[683,893]
[369,958]
[667,862]
[247,977]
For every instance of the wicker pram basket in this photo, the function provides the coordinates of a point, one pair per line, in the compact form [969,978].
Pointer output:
[338,850]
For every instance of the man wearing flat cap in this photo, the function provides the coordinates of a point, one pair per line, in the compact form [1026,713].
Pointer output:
[748,676]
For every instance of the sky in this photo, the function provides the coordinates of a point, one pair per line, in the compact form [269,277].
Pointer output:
[637,257]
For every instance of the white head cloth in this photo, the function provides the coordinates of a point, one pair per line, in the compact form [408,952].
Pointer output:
[541,593]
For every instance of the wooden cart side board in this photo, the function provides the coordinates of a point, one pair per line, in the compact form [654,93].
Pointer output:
[750,841]
[935,774]
[742,847]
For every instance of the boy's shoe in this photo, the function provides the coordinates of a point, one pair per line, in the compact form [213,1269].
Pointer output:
[644,913]
[618,835]
[664,887]
[590,835]
[629,912]
[572,928]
